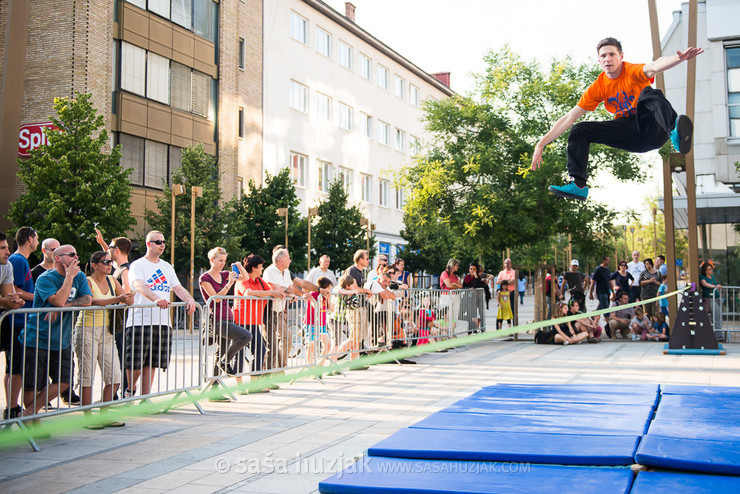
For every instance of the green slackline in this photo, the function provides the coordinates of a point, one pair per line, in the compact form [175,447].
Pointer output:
[67,423]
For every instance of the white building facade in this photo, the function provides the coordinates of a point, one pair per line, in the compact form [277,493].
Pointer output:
[716,128]
[340,103]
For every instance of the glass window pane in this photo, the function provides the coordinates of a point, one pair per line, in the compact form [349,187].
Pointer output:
[735,128]
[204,18]
[201,93]
[180,87]
[182,11]
[323,42]
[733,80]
[138,3]
[161,7]
[133,68]
[132,156]
[155,168]
[175,160]
[734,111]
[733,58]
[158,78]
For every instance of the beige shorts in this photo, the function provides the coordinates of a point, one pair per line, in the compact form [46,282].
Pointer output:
[96,344]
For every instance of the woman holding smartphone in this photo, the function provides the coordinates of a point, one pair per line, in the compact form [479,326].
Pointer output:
[213,282]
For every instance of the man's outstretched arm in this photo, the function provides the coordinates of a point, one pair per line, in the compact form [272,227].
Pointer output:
[670,61]
[556,131]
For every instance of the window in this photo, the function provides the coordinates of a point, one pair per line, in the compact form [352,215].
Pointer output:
[158,78]
[345,55]
[733,90]
[323,42]
[182,11]
[346,175]
[323,106]
[414,145]
[133,69]
[383,186]
[241,53]
[414,95]
[400,140]
[151,162]
[367,187]
[155,166]
[398,86]
[345,116]
[383,77]
[325,176]
[384,133]
[400,198]
[239,187]
[298,169]
[138,3]
[175,160]
[241,122]
[201,93]
[160,7]
[366,67]
[132,156]
[366,125]
[180,86]
[298,96]
[205,19]
[298,28]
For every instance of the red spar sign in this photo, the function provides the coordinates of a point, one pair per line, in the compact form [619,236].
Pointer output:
[32,136]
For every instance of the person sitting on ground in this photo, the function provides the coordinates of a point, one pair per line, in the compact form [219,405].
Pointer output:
[619,320]
[586,324]
[659,331]
[565,333]
[621,280]
[93,335]
[504,307]
[639,325]
[317,328]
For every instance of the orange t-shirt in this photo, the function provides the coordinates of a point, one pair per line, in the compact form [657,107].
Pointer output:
[249,312]
[618,95]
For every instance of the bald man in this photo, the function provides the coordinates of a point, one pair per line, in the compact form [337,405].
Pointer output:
[47,248]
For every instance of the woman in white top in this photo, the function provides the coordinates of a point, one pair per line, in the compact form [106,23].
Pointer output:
[93,339]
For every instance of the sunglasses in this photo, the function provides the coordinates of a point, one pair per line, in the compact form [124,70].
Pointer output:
[112,246]
[70,254]
[106,262]
[158,242]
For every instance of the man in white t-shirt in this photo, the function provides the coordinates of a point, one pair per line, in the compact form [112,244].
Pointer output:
[381,264]
[148,338]
[322,271]
[635,268]
[277,275]
[381,295]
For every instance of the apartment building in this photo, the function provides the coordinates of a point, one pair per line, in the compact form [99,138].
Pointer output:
[338,102]
[716,129]
[166,74]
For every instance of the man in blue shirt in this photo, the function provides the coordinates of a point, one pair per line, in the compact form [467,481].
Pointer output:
[47,335]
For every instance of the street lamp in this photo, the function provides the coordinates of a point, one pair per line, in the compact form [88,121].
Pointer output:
[177,190]
[195,191]
[284,213]
[314,211]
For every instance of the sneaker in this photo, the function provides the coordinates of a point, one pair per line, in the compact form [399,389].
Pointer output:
[569,191]
[12,412]
[592,339]
[681,134]
[566,343]
[71,398]
[127,393]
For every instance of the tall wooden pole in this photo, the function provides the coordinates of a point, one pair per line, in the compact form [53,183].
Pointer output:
[693,260]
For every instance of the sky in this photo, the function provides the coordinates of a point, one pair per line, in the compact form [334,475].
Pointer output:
[454,36]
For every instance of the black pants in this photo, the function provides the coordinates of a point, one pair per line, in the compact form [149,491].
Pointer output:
[647,129]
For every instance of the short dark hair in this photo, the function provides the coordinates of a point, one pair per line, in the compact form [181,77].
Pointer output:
[605,258]
[23,235]
[252,261]
[609,42]
[621,293]
[648,260]
[3,236]
[323,282]
[661,257]
[122,244]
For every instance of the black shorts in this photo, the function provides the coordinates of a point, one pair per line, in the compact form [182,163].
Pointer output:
[545,336]
[42,364]
[11,344]
[147,346]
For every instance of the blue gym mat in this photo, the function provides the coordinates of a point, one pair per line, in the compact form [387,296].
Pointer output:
[533,408]
[695,455]
[720,391]
[559,449]
[548,424]
[501,394]
[683,483]
[696,429]
[620,389]
[698,414]
[699,401]
[384,475]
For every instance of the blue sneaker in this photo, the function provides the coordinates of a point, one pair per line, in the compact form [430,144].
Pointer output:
[570,191]
[681,134]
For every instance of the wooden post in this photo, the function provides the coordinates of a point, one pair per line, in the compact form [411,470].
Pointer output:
[194,192]
[693,257]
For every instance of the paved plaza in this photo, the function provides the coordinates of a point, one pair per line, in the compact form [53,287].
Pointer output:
[288,440]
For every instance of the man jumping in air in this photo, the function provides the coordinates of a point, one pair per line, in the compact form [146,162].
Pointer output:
[643,118]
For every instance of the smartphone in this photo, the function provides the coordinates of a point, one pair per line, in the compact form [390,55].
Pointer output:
[235,269]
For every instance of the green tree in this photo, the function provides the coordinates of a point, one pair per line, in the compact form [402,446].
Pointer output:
[475,178]
[338,232]
[255,216]
[72,185]
[198,169]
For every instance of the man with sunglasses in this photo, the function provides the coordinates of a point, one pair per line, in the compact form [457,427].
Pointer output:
[147,339]
[48,335]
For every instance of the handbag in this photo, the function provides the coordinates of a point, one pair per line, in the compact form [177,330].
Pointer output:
[118,315]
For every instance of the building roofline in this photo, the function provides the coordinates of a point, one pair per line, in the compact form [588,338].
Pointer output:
[351,26]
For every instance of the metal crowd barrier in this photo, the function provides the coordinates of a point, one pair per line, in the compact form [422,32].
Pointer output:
[725,311]
[87,351]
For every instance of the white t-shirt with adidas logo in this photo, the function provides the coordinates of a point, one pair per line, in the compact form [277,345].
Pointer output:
[159,278]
